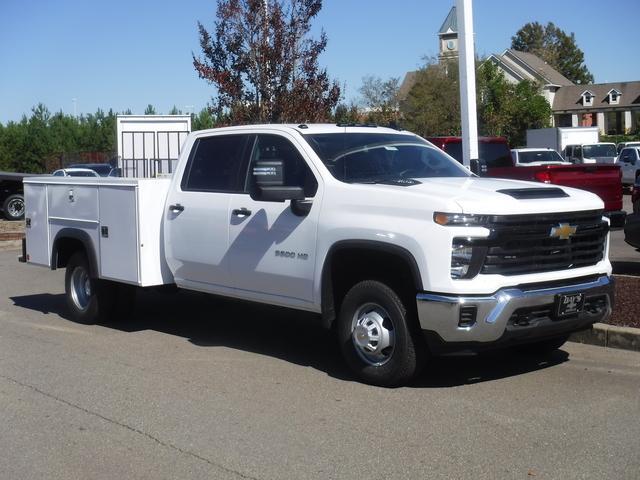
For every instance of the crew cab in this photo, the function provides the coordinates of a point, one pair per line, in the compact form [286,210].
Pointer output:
[394,244]
[495,160]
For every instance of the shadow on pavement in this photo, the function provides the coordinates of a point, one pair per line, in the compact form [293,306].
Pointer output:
[292,336]
[626,268]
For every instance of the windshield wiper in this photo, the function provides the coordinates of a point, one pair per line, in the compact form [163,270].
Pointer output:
[389,180]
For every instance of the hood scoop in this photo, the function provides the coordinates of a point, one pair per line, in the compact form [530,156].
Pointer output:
[534,193]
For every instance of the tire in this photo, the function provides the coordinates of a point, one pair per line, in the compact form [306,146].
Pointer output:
[376,335]
[89,300]
[13,207]
[545,346]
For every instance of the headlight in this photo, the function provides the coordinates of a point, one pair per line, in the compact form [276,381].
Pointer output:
[459,219]
[460,260]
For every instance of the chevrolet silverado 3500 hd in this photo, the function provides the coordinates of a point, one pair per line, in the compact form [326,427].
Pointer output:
[394,243]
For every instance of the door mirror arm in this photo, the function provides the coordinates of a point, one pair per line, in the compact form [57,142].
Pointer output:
[301,208]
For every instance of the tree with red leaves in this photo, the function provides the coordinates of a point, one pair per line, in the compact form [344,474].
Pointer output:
[264,63]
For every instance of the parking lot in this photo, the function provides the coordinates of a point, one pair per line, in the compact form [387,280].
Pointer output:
[196,387]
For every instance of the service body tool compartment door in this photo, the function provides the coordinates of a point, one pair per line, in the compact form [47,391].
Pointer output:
[119,233]
[74,205]
[37,225]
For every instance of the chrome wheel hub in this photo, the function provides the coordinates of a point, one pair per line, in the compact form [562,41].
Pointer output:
[81,288]
[16,208]
[373,334]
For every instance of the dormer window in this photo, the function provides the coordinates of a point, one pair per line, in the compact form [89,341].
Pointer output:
[614,96]
[587,98]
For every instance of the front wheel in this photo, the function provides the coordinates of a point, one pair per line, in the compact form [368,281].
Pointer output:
[89,300]
[13,207]
[376,335]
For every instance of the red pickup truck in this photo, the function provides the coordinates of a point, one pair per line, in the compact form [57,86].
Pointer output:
[601,179]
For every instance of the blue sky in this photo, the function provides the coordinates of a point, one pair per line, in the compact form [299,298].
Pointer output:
[126,54]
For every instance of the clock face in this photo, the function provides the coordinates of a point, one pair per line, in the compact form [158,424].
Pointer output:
[451,44]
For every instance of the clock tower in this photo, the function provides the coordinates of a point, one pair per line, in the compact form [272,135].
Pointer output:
[448,37]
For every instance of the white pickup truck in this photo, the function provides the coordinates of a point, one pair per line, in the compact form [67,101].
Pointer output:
[395,244]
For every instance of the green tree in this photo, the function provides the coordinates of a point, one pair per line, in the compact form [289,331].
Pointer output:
[150,110]
[346,114]
[203,120]
[263,62]
[380,100]
[432,106]
[174,111]
[40,141]
[555,47]
[507,109]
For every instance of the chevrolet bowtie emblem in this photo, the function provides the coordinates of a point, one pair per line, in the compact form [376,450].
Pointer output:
[563,231]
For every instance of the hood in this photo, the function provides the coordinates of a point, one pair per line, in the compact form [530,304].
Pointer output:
[609,160]
[482,196]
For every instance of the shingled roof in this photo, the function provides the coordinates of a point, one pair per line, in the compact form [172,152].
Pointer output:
[550,74]
[450,23]
[570,97]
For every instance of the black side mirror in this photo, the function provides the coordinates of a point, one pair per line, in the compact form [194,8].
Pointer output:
[280,194]
[478,166]
[268,173]
[268,178]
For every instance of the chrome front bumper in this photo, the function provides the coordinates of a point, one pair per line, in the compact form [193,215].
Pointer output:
[440,313]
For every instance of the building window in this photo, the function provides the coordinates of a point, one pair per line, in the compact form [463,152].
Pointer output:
[614,97]
[613,122]
[563,120]
[587,98]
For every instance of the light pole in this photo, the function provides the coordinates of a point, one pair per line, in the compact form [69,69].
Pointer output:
[468,113]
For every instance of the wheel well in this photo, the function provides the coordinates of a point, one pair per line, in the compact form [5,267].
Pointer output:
[347,265]
[69,242]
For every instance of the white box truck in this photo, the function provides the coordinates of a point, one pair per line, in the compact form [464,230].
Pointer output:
[557,138]
[149,145]
[379,232]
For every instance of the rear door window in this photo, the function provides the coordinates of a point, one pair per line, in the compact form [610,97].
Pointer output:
[217,164]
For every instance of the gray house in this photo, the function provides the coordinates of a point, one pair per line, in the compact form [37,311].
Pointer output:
[613,107]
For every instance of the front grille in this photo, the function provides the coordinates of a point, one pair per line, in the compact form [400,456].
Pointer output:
[521,244]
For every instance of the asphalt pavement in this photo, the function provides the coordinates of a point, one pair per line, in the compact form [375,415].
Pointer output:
[192,387]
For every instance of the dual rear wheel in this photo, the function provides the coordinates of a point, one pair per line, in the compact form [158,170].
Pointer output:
[91,300]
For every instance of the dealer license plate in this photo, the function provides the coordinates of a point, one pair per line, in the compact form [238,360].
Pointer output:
[569,304]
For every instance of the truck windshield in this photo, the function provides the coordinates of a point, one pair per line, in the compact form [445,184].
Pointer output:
[540,156]
[599,150]
[382,158]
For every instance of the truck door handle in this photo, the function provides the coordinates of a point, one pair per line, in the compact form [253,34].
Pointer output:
[241,212]
[176,208]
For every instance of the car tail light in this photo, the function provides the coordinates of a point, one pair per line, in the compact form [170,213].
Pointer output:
[544,176]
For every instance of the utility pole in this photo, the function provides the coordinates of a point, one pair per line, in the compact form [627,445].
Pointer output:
[468,113]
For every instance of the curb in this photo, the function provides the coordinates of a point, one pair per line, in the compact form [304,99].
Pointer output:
[603,335]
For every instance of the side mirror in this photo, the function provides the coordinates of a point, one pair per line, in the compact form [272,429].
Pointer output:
[268,173]
[280,194]
[268,178]
[478,166]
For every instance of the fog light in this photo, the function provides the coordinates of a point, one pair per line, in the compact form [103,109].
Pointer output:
[460,260]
